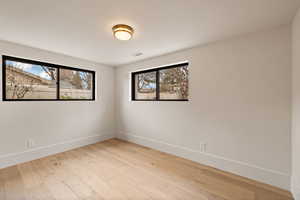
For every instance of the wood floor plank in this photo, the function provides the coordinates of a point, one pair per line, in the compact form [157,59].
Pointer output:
[35,188]
[119,170]
[91,176]
[13,184]
[73,180]
[2,189]
[57,187]
[128,188]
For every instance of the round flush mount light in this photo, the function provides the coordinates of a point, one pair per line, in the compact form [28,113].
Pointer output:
[123,31]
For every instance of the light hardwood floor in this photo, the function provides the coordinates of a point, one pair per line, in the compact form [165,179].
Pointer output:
[117,170]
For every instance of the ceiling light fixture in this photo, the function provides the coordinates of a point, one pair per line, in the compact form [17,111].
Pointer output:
[123,31]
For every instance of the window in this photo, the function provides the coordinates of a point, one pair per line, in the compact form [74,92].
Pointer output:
[161,84]
[27,80]
[75,84]
[145,86]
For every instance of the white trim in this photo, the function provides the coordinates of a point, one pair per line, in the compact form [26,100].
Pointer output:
[296,192]
[159,66]
[295,189]
[268,176]
[36,153]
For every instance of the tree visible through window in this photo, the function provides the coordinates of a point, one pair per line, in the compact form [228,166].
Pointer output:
[145,85]
[75,84]
[33,80]
[166,83]
[28,81]
[174,83]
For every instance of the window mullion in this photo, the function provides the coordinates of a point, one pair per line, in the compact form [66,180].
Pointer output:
[58,83]
[157,85]
[133,81]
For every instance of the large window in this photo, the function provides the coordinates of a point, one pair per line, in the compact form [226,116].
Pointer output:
[161,84]
[28,80]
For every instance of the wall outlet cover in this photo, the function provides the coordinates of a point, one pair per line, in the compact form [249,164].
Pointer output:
[30,143]
[203,147]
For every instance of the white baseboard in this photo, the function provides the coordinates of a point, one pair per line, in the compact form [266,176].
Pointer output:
[296,193]
[295,189]
[268,176]
[36,153]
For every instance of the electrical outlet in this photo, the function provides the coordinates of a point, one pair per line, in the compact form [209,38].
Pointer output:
[203,147]
[30,143]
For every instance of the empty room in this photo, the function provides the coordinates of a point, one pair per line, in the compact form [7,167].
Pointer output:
[150,100]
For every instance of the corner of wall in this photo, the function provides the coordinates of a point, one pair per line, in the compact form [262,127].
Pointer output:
[295,184]
[115,68]
[295,189]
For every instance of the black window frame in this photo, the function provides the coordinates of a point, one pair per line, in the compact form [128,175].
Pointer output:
[56,66]
[133,75]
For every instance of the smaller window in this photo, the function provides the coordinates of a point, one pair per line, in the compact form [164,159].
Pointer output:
[145,86]
[75,84]
[168,83]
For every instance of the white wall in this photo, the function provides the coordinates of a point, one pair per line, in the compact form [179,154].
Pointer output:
[296,109]
[55,126]
[240,99]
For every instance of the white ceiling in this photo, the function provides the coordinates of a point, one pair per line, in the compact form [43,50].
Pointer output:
[82,28]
